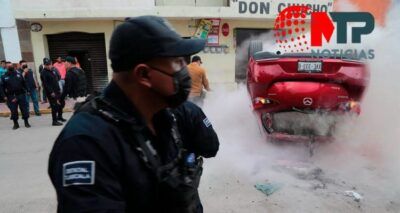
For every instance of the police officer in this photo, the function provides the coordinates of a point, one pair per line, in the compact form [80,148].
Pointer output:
[14,89]
[40,73]
[195,127]
[122,151]
[73,85]
[52,89]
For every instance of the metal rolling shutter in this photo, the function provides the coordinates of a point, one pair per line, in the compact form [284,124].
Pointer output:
[94,44]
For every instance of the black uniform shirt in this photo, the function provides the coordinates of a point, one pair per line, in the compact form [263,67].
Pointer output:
[13,84]
[50,81]
[70,80]
[93,167]
[196,128]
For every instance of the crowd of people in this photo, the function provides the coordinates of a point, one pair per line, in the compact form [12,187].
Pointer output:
[59,80]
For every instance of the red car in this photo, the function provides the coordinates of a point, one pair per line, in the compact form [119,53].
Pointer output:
[299,98]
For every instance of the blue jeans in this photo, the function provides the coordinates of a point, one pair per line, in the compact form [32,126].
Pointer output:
[34,96]
[61,83]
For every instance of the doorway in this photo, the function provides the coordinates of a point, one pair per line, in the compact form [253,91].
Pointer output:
[89,49]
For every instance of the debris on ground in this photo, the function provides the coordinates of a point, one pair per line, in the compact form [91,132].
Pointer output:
[306,172]
[309,173]
[357,197]
[318,185]
[268,188]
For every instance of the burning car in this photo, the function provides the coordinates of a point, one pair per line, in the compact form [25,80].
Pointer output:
[298,98]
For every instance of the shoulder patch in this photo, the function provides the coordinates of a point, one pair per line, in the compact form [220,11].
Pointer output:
[206,122]
[78,173]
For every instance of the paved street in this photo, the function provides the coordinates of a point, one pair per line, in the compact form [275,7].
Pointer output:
[24,154]
[43,107]
[247,63]
[315,184]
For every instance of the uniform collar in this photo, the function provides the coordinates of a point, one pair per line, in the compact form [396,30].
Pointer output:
[117,97]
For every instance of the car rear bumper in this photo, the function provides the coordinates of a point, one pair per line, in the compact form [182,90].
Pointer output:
[283,137]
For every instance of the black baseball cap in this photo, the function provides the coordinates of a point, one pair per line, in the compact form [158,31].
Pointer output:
[46,61]
[142,38]
[70,59]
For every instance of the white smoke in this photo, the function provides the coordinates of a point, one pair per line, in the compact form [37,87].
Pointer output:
[377,131]
[365,157]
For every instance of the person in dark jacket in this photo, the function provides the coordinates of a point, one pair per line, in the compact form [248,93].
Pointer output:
[52,89]
[195,127]
[32,86]
[44,98]
[71,79]
[14,90]
[125,151]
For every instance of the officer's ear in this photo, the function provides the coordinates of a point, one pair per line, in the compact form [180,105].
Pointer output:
[141,75]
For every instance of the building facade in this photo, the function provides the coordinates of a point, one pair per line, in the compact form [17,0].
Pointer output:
[83,29]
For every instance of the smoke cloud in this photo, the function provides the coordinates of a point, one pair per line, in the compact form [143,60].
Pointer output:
[364,157]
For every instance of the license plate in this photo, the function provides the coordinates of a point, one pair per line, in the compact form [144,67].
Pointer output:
[309,66]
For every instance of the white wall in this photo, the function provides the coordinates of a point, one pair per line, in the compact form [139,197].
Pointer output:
[198,3]
[106,9]
[175,2]
[56,19]
[9,32]
[220,67]
[39,41]
[68,5]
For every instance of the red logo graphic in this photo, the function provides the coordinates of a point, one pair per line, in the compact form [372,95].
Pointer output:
[290,29]
[321,24]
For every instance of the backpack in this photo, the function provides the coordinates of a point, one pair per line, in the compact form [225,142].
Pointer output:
[79,85]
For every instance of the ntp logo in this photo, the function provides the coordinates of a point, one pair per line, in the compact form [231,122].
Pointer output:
[322,25]
[291,27]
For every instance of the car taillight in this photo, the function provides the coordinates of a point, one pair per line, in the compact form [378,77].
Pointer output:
[350,106]
[355,107]
[260,102]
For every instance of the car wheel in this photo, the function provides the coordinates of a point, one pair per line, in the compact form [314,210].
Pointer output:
[254,46]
